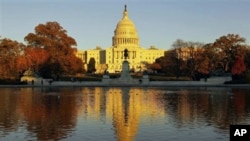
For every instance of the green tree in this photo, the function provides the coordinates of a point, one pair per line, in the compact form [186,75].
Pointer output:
[60,47]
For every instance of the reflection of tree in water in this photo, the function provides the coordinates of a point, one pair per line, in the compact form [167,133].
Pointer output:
[240,100]
[225,108]
[8,115]
[91,102]
[202,106]
[127,106]
[49,115]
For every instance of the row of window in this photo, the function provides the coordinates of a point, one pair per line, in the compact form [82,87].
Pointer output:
[117,61]
[125,41]
[120,67]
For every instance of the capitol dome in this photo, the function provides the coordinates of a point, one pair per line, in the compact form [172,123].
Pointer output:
[125,33]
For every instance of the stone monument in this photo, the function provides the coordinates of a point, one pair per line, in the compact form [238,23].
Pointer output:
[125,76]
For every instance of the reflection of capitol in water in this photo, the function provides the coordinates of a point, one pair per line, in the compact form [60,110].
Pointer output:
[124,106]
[53,113]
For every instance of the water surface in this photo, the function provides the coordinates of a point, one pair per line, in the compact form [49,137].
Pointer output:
[123,114]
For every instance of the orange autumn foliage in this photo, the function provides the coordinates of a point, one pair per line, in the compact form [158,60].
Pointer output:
[10,51]
[155,66]
[58,48]
[35,57]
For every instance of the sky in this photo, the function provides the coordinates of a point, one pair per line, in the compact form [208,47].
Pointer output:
[158,22]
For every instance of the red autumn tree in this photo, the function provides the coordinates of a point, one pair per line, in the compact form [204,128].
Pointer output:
[22,63]
[36,57]
[239,66]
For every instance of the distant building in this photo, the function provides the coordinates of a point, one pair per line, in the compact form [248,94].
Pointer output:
[186,53]
[125,37]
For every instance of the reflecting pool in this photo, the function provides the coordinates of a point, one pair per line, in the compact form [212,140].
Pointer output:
[123,114]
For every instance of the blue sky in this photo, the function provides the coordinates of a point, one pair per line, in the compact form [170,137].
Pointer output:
[159,22]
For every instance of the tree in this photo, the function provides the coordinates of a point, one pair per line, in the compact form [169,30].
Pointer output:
[60,48]
[211,56]
[238,68]
[36,57]
[179,43]
[10,51]
[247,57]
[229,47]
[168,63]
[186,54]
[155,67]
[91,65]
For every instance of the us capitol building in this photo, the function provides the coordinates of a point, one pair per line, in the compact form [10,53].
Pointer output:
[125,37]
